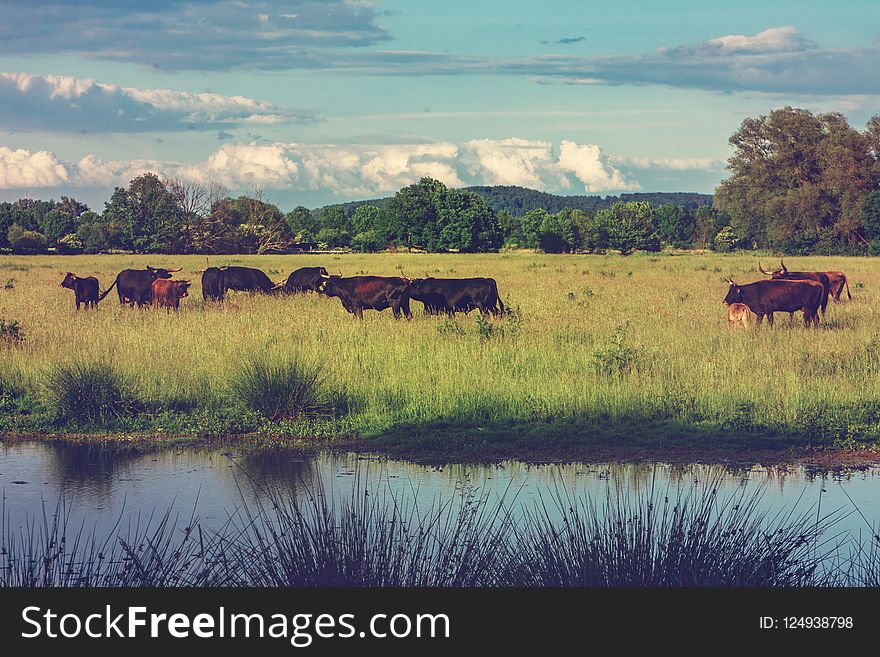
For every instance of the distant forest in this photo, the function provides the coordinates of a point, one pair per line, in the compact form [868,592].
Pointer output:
[520,200]
[799,183]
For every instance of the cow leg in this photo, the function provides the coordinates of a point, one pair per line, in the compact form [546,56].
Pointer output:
[770,319]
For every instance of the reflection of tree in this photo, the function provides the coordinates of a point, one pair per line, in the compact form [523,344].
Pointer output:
[85,471]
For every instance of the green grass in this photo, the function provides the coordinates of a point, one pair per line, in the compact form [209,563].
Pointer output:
[601,350]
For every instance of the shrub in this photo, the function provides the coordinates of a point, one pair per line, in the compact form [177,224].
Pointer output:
[70,244]
[91,393]
[368,241]
[10,333]
[616,356]
[726,240]
[281,387]
[25,241]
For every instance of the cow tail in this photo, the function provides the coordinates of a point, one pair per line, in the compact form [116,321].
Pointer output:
[109,288]
[501,304]
[846,282]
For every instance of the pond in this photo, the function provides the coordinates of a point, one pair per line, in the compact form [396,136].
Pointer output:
[101,486]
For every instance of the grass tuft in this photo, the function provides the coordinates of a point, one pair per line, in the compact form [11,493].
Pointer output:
[90,394]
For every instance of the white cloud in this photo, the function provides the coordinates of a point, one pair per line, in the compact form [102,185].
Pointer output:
[585,162]
[349,170]
[510,161]
[672,163]
[774,39]
[65,103]
[22,169]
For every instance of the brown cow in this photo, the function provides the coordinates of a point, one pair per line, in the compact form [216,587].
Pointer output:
[783,274]
[738,314]
[167,293]
[85,289]
[837,280]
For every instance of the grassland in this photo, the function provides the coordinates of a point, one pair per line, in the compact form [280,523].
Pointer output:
[601,352]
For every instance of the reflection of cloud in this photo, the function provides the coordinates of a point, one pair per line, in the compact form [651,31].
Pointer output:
[53,102]
[348,170]
[189,34]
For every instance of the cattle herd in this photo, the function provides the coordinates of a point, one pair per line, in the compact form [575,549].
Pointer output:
[785,291]
[154,286]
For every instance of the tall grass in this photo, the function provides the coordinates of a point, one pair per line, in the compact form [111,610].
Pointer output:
[371,538]
[677,360]
[90,393]
[280,387]
[662,540]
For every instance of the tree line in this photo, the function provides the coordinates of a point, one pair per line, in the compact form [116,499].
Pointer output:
[799,183]
[156,215]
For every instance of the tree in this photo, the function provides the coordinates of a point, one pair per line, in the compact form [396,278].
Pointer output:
[146,216]
[629,227]
[411,214]
[263,226]
[871,215]
[558,234]
[531,227]
[302,225]
[675,225]
[195,198]
[464,223]
[798,178]
[93,233]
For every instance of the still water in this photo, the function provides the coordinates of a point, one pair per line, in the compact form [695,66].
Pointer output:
[101,487]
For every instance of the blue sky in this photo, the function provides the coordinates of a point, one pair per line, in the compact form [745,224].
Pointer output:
[318,101]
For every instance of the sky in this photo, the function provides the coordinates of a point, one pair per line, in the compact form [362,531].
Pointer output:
[320,101]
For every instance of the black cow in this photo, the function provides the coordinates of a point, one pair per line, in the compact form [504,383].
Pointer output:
[217,281]
[360,293]
[134,286]
[767,297]
[452,295]
[304,279]
[85,289]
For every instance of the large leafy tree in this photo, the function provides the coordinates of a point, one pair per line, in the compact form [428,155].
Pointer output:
[797,178]
[629,227]
[147,217]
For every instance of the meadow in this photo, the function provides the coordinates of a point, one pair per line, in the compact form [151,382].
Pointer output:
[599,351]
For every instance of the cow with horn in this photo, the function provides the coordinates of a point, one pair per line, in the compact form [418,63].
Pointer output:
[767,297]
[134,286]
[783,274]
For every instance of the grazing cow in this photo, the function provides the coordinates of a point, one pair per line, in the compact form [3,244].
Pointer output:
[452,295]
[304,279]
[360,293]
[134,286]
[85,289]
[783,274]
[217,281]
[767,297]
[837,280]
[738,314]
[167,293]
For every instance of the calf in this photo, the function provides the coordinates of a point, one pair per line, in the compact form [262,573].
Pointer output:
[738,314]
[167,293]
[85,289]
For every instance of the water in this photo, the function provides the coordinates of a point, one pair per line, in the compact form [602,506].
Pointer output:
[102,486]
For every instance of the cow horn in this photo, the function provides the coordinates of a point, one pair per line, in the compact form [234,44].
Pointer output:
[782,264]
[278,286]
[326,277]
[172,270]
[761,269]
[730,280]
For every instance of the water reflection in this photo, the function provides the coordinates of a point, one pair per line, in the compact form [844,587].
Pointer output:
[101,484]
